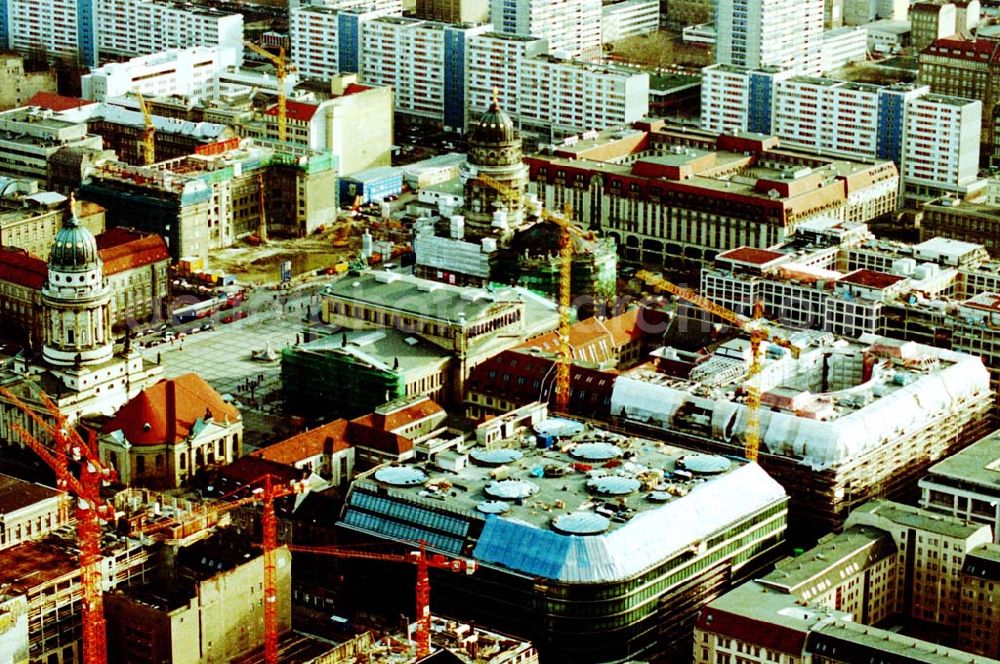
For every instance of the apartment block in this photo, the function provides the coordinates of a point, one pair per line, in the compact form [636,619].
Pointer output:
[779,33]
[968,68]
[933,139]
[326,40]
[933,547]
[979,623]
[56,28]
[571,27]
[942,144]
[496,62]
[568,96]
[629,18]
[962,486]
[140,27]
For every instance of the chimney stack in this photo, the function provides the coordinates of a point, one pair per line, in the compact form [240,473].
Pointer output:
[171,413]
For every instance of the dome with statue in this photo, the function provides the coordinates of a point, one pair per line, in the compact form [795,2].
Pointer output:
[493,127]
[75,247]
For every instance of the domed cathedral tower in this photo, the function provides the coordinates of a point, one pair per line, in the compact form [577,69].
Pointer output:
[494,150]
[76,300]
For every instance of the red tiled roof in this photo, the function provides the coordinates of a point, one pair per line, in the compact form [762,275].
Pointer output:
[251,468]
[751,255]
[325,439]
[295,110]
[363,435]
[400,418]
[124,250]
[354,88]
[871,279]
[146,418]
[19,267]
[764,634]
[595,340]
[978,50]
[55,102]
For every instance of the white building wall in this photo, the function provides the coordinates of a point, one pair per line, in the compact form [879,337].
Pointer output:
[725,98]
[572,27]
[140,27]
[45,24]
[406,54]
[190,71]
[942,141]
[629,18]
[843,46]
[575,97]
[896,10]
[781,33]
[827,115]
[496,62]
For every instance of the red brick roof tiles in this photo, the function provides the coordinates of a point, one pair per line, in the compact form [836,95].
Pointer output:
[56,102]
[19,267]
[149,418]
[325,439]
[125,250]
[295,110]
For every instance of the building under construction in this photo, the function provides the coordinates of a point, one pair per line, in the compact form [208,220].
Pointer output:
[207,201]
[500,234]
[841,421]
[594,545]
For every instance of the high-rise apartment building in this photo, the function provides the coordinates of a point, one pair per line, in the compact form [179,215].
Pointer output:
[326,41]
[572,27]
[933,139]
[965,68]
[761,33]
[69,28]
[496,62]
[454,11]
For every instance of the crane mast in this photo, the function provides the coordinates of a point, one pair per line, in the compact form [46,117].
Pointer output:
[752,326]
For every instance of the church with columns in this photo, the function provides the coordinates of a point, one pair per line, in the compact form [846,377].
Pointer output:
[79,367]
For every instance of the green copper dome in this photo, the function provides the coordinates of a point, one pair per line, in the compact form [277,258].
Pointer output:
[74,248]
[494,126]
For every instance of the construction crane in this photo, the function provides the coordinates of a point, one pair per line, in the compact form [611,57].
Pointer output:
[424,563]
[564,361]
[281,69]
[752,326]
[265,491]
[148,133]
[91,509]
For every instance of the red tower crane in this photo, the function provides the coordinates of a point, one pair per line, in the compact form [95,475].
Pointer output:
[91,509]
[423,562]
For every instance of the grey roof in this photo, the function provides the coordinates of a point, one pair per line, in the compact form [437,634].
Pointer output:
[977,465]
[850,642]
[380,349]
[854,549]
[916,517]
[425,298]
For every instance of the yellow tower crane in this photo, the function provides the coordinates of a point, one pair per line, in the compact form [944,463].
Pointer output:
[148,134]
[565,352]
[752,326]
[281,69]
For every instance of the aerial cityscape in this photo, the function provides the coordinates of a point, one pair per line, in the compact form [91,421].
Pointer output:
[500,331]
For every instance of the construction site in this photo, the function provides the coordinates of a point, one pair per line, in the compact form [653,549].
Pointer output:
[837,422]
